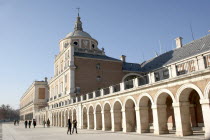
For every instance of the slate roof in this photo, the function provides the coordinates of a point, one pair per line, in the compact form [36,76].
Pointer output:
[135,67]
[104,57]
[190,49]
[195,47]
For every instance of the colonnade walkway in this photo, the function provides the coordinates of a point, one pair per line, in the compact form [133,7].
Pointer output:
[11,132]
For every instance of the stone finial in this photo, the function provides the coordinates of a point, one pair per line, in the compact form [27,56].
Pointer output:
[45,79]
[122,58]
[178,42]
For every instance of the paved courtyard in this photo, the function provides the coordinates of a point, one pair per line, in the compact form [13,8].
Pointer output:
[11,132]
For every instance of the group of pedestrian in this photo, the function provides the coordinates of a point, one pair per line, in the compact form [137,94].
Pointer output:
[70,126]
[16,122]
[28,123]
[48,123]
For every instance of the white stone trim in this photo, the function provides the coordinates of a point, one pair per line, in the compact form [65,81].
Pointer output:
[163,91]
[185,86]
[144,95]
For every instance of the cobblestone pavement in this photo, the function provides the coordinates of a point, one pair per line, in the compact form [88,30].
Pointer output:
[11,132]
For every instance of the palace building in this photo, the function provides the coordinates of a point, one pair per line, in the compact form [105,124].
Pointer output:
[168,93]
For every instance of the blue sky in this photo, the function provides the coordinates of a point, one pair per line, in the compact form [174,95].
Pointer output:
[31,29]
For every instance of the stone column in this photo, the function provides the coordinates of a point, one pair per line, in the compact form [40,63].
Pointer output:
[111,89]
[151,77]
[80,116]
[112,120]
[206,114]
[94,94]
[138,124]
[195,64]
[102,92]
[173,70]
[135,82]
[95,122]
[201,63]
[122,86]
[124,121]
[65,122]
[88,121]
[160,119]
[144,119]
[182,119]
[103,121]
[61,120]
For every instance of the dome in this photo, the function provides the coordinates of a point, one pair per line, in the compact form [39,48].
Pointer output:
[78,33]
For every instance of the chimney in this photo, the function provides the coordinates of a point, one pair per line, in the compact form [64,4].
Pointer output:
[122,58]
[45,79]
[178,42]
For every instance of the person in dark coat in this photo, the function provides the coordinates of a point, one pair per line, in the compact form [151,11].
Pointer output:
[34,123]
[26,123]
[69,126]
[29,124]
[15,122]
[48,123]
[74,126]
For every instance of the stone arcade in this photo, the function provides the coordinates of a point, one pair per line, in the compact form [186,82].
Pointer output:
[168,93]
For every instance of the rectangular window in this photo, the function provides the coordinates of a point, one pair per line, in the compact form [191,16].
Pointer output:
[157,76]
[165,74]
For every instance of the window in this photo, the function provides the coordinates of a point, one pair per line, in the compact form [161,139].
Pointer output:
[98,66]
[157,76]
[75,43]
[98,78]
[165,74]
[93,46]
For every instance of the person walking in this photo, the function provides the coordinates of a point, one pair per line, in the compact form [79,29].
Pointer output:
[69,126]
[74,126]
[15,122]
[44,123]
[34,123]
[29,123]
[26,123]
[48,123]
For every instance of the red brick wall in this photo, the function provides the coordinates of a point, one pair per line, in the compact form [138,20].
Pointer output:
[86,74]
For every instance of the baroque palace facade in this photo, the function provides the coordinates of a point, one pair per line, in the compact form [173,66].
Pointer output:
[170,92]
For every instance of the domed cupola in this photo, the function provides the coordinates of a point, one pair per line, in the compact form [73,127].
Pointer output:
[78,30]
[80,40]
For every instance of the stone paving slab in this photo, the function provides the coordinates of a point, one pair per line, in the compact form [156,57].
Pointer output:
[1,131]
[11,132]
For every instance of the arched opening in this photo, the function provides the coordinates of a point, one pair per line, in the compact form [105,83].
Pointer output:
[117,110]
[165,114]
[191,112]
[91,118]
[107,117]
[130,115]
[66,118]
[74,114]
[62,124]
[70,115]
[59,122]
[98,118]
[84,118]
[55,119]
[146,116]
